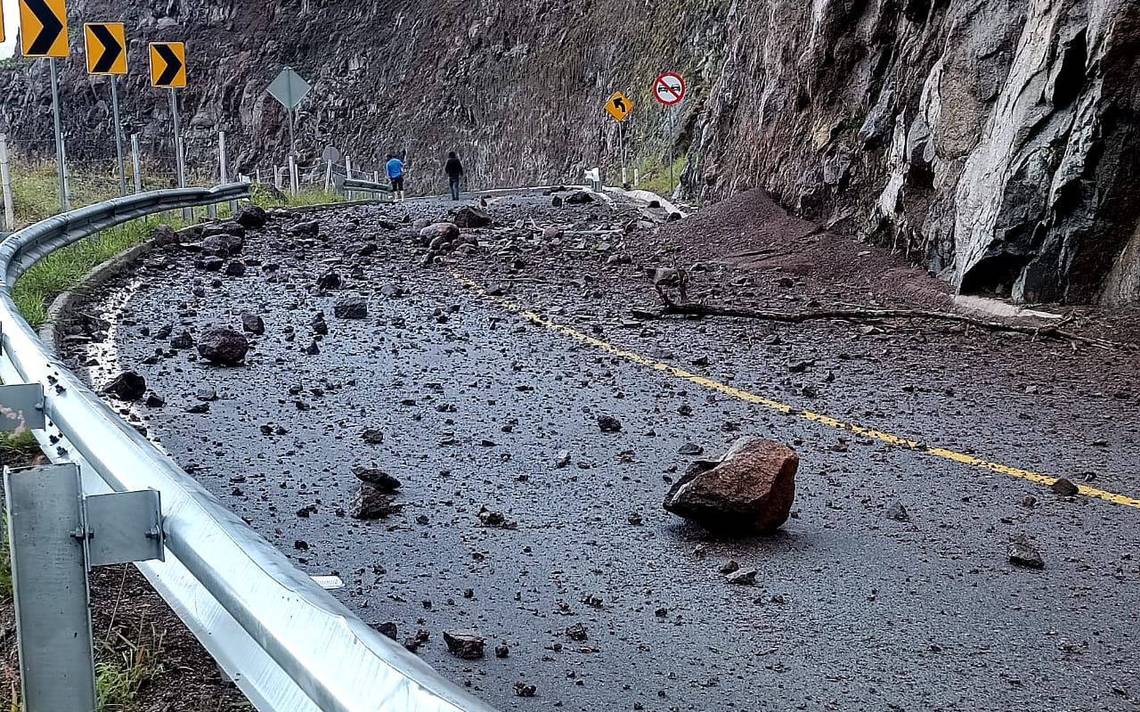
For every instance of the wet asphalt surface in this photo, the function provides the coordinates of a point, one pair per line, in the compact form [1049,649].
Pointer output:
[851,610]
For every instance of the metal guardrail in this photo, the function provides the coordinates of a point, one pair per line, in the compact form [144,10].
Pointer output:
[287,643]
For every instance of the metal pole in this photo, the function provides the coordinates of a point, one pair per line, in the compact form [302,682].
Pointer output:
[294,186]
[672,140]
[60,158]
[187,213]
[621,152]
[6,186]
[118,136]
[136,162]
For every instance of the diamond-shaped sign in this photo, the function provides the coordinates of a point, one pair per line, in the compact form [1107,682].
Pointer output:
[289,88]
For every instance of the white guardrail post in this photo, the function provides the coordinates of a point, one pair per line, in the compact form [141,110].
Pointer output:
[288,644]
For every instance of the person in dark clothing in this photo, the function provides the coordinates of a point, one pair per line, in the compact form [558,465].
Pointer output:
[454,170]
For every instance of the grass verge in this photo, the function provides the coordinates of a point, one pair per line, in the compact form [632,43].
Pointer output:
[62,269]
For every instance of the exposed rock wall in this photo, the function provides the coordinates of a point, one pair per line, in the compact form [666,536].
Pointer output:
[996,141]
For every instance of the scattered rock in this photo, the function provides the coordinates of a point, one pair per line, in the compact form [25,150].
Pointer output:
[609,424]
[351,306]
[413,643]
[309,228]
[898,512]
[502,651]
[223,346]
[373,503]
[251,216]
[580,197]
[522,689]
[329,280]
[1064,488]
[690,449]
[127,386]
[472,217]
[319,325]
[182,341]
[750,489]
[445,230]
[464,644]
[577,632]
[372,436]
[388,629]
[153,400]
[377,478]
[235,268]
[1022,553]
[164,235]
[496,519]
[729,566]
[743,577]
[252,323]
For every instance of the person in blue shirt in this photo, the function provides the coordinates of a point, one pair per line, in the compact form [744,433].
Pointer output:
[395,170]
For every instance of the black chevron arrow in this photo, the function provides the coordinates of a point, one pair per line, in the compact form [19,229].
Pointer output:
[173,64]
[111,48]
[50,31]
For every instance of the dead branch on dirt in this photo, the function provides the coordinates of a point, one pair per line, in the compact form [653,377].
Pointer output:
[863,314]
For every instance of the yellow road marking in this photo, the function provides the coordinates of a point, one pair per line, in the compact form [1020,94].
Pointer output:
[826,420]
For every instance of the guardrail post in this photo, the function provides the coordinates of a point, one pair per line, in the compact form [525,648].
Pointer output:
[56,535]
[6,185]
[328,176]
[136,162]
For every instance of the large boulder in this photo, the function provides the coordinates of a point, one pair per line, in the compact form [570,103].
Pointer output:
[222,346]
[251,216]
[748,490]
[472,217]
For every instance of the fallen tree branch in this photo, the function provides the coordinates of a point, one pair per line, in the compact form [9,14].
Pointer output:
[860,314]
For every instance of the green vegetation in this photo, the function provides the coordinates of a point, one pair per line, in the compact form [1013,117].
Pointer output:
[655,175]
[5,562]
[62,269]
[117,681]
[35,191]
[268,197]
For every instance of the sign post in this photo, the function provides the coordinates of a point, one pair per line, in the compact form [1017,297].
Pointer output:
[290,89]
[669,91]
[106,47]
[619,107]
[168,71]
[43,33]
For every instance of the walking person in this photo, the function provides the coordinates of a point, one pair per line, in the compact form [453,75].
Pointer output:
[395,170]
[454,170]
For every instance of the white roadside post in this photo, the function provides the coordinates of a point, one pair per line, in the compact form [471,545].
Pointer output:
[6,186]
[223,168]
[136,162]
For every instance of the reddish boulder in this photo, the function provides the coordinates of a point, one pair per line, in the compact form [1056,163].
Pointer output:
[749,490]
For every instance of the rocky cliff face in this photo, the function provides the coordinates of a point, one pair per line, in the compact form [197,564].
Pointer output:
[996,141]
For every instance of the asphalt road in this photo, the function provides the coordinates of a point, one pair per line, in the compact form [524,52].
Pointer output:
[851,610]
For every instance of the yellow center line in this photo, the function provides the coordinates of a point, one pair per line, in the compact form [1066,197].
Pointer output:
[820,418]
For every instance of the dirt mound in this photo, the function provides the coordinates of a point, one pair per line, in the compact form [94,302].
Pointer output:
[750,231]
